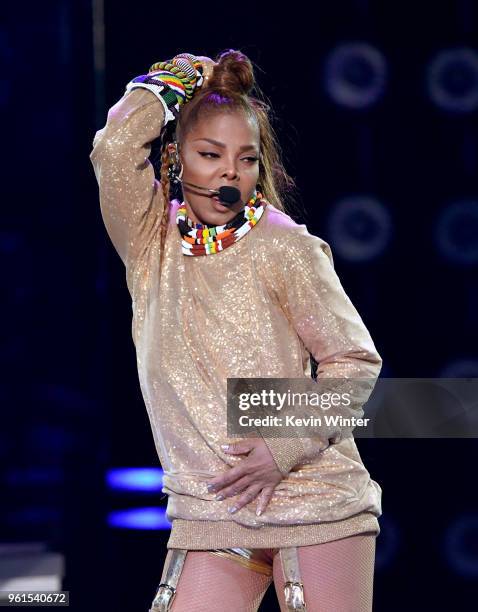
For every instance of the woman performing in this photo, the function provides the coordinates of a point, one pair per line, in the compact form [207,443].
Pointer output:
[224,284]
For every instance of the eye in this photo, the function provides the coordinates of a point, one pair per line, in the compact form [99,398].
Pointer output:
[250,159]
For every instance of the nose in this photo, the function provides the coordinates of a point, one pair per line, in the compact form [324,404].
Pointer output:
[231,172]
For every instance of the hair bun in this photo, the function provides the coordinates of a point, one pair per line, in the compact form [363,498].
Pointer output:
[233,72]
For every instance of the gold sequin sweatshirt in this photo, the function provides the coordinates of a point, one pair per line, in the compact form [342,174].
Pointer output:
[257,309]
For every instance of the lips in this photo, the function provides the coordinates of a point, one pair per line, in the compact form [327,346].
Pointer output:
[218,206]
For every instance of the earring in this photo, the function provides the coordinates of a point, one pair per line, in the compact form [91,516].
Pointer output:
[173,174]
[175,169]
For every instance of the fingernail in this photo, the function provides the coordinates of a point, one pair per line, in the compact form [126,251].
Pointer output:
[224,446]
[258,512]
[211,488]
[219,497]
[232,510]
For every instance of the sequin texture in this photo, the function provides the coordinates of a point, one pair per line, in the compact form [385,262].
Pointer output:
[278,269]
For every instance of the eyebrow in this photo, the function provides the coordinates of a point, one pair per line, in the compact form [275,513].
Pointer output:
[221,144]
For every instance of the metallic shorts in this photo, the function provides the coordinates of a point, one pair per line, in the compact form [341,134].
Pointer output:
[256,559]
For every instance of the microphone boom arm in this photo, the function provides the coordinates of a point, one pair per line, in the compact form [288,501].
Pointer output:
[228,195]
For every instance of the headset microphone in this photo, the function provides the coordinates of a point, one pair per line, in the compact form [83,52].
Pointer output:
[228,195]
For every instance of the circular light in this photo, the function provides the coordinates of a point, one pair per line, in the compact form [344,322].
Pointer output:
[452,80]
[456,232]
[360,228]
[355,75]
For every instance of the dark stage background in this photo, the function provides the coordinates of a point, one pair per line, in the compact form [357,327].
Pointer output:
[376,106]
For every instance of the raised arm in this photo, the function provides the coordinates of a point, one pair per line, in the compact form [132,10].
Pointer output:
[131,198]
[331,329]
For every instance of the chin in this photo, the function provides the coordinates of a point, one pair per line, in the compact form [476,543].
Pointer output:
[212,216]
[218,218]
[209,215]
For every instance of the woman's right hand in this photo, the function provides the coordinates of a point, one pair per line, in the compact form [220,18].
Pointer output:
[208,68]
[207,64]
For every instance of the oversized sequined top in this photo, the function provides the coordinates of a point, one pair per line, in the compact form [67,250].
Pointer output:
[259,308]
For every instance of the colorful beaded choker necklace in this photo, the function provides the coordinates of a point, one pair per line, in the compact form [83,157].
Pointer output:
[202,239]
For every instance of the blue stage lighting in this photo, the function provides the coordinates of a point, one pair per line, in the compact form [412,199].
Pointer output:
[139,518]
[135,479]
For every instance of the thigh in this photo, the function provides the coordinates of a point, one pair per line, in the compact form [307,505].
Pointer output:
[209,583]
[336,575]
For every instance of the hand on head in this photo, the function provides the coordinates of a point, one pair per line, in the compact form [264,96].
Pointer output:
[206,62]
[208,67]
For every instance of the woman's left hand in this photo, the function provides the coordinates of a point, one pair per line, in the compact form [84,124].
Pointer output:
[256,475]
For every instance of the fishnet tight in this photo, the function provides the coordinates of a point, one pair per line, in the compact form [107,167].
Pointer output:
[337,577]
